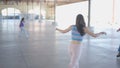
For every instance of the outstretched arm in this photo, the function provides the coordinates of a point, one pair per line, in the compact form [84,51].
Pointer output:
[93,34]
[65,30]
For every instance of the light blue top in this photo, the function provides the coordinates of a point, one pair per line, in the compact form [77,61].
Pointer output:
[75,34]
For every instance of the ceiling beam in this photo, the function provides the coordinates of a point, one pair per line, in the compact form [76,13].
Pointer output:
[59,2]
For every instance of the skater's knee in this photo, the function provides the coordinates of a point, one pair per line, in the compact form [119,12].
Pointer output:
[71,66]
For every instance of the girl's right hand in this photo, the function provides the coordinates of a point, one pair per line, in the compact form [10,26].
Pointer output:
[103,33]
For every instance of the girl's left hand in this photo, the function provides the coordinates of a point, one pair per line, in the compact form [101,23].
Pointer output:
[103,33]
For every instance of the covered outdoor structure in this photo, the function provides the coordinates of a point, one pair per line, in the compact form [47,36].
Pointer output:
[47,48]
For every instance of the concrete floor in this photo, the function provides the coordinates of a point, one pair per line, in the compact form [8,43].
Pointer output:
[47,48]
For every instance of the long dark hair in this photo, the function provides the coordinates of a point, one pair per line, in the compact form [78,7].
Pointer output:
[22,19]
[80,24]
